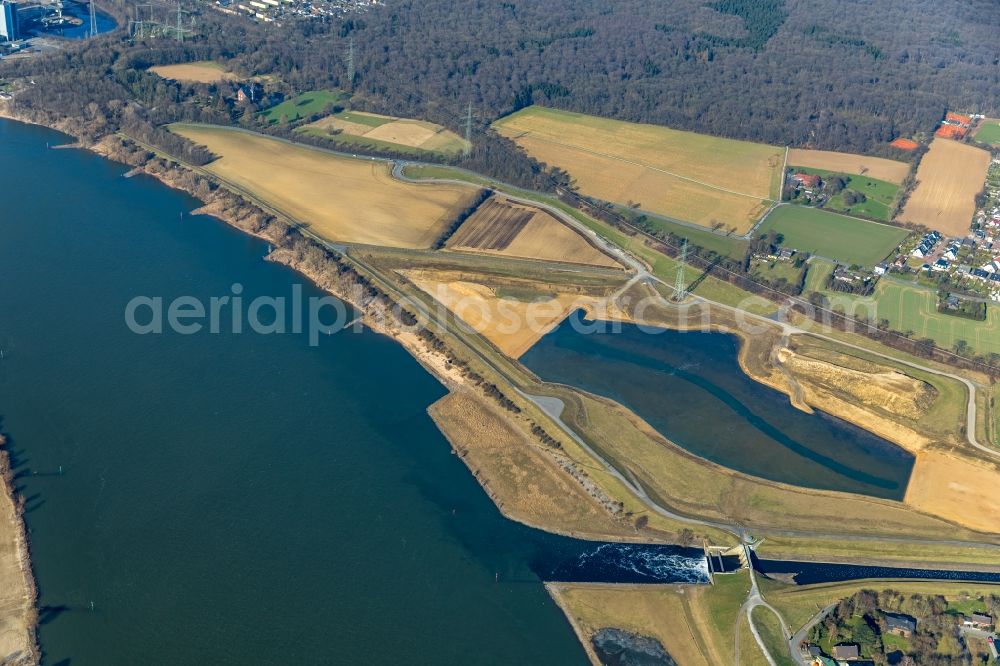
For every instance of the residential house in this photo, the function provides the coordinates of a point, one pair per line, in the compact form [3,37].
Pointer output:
[899,624]
[250,92]
[880,269]
[807,180]
[846,652]
[978,620]
[941,265]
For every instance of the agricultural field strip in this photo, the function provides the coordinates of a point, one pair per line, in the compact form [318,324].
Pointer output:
[488,234]
[789,329]
[832,212]
[637,265]
[614,249]
[572,146]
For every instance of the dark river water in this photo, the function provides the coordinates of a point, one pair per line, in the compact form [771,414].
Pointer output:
[689,386]
[224,498]
[242,499]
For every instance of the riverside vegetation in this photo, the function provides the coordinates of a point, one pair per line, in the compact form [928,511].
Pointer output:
[121,116]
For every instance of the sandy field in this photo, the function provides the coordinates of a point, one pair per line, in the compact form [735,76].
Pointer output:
[880,400]
[194,72]
[514,326]
[341,199]
[400,131]
[948,179]
[17,610]
[961,489]
[522,477]
[508,229]
[691,177]
[694,623]
[876,167]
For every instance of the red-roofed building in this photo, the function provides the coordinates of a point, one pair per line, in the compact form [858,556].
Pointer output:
[957,118]
[904,144]
[951,132]
[807,179]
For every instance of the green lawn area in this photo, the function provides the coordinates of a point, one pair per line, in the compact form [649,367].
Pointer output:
[729,246]
[363,118]
[723,602]
[844,239]
[880,194]
[913,308]
[304,105]
[445,142]
[893,642]
[966,606]
[777,269]
[770,632]
[819,272]
[989,132]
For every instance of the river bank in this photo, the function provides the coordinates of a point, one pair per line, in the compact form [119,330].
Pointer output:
[18,613]
[309,257]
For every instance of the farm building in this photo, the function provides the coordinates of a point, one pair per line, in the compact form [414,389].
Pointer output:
[807,179]
[978,620]
[901,625]
[957,119]
[846,651]
[951,132]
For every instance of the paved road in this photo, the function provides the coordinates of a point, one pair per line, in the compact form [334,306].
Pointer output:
[803,633]
[755,599]
[642,273]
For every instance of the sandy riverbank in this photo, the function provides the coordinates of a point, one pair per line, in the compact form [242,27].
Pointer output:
[18,613]
[307,257]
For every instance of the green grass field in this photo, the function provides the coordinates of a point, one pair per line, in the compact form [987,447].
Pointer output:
[880,194]
[363,118]
[844,239]
[771,633]
[386,133]
[909,308]
[730,246]
[778,269]
[304,105]
[989,132]
[819,272]
[915,309]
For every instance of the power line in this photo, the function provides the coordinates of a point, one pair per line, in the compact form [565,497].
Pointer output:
[679,291]
[350,64]
[468,131]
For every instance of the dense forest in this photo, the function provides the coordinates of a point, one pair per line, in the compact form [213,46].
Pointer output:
[846,75]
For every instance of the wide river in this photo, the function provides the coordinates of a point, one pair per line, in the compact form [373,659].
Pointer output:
[224,498]
[237,499]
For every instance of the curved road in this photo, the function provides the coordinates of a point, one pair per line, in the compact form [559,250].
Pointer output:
[642,273]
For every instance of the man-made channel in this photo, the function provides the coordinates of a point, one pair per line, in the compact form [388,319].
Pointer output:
[690,387]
